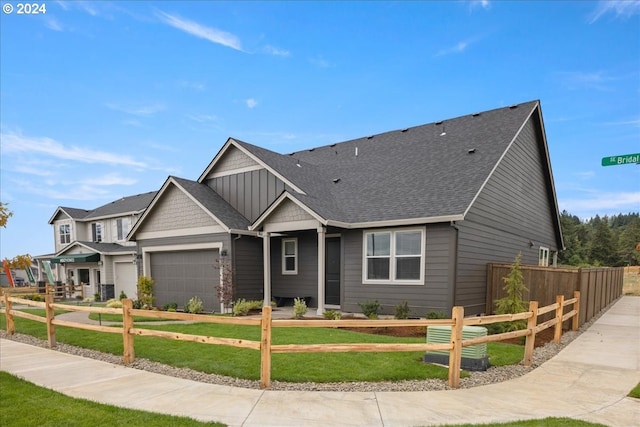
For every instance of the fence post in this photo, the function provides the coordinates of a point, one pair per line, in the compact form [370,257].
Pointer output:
[51,328]
[127,337]
[557,334]
[265,348]
[11,326]
[530,342]
[575,322]
[455,354]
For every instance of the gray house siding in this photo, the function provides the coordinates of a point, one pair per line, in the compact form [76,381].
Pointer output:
[248,268]
[512,210]
[250,193]
[303,284]
[434,295]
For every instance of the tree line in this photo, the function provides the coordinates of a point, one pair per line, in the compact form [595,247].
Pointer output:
[611,241]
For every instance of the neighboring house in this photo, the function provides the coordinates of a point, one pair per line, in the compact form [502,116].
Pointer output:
[91,247]
[413,214]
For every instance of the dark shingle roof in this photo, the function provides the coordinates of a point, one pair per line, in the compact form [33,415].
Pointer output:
[108,248]
[425,171]
[214,203]
[124,205]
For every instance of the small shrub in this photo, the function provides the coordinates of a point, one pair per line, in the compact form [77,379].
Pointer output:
[332,315]
[79,297]
[436,315]
[137,304]
[34,297]
[172,306]
[512,302]
[194,305]
[371,309]
[96,297]
[402,311]
[299,307]
[114,303]
[255,305]
[122,296]
[145,291]
[241,307]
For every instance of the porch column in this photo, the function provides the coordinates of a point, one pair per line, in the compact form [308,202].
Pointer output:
[321,269]
[266,260]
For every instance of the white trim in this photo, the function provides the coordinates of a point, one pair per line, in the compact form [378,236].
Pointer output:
[276,204]
[235,171]
[296,255]
[396,222]
[543,261]
[392,257]
[309,224]
[181,232]
[149,250]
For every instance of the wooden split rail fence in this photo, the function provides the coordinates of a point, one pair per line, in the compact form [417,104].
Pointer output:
[129,331]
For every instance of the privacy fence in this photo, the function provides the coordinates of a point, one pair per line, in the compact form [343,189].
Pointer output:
[129,330]
[598,287]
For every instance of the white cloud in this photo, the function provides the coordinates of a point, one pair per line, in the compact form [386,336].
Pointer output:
[604,202]
[108,180]
[621,9]
[320,62]
[251,103]
[203,118]
[142,110]
[53,24]
[211,34]
[17,143]
[272,50]
[485,4]
[192,85]
[457,48]
[579,79]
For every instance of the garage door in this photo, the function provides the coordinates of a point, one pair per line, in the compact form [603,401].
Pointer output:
[126,279]
[178,276]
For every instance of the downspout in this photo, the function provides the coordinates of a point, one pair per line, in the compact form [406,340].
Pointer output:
[452,295]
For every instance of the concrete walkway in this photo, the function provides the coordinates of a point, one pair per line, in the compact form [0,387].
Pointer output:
[588,380]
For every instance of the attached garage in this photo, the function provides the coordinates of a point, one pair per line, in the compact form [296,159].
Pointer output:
[180,275]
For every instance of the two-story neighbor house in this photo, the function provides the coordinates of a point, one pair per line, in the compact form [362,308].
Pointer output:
[413,214]
[91,247]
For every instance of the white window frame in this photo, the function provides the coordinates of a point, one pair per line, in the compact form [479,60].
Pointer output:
[392,257]
[543,257]
[66,235]
[97,231]
[123,226]
[294,256]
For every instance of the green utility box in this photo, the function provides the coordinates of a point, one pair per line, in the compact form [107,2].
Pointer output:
[474,357]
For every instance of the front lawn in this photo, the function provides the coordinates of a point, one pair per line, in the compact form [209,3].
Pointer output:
[245,363]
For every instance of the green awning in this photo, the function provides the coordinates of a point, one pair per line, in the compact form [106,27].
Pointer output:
[71,258]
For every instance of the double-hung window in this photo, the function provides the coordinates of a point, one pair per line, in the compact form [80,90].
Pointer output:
[543,257]
[65,233]
[289,256]
[122,226]
[96,231]
[394,256]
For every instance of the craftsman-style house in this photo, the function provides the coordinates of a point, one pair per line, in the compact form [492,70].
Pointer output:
[91,249]
[413,214]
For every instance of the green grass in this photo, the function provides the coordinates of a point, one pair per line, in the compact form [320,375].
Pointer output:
[245,363]
[25,404]
[545,422]
[106,317]
[635,392]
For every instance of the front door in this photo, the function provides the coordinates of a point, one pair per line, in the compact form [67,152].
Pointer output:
[332,273]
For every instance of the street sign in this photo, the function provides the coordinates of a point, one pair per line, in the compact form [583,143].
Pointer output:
[625,159]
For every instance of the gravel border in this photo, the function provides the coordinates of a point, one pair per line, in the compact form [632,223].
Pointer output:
[478,378]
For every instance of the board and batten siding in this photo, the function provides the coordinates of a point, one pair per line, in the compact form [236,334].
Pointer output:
[248,269]
[434,296]
[303,284]
[514,208]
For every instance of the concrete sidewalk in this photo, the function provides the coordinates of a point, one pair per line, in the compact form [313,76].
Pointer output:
[588,380]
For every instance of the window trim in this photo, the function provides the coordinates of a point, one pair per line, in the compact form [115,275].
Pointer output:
[121,230]
[392,257]
[67,240]
[543,260]
[294,256]
[95,226]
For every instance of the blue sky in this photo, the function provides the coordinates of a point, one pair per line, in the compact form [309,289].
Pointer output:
[101,100]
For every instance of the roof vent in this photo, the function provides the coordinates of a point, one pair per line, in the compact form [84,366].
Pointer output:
[404,130]
[336,180]
[471,150]
[311,149]
[332,145]
[439,123]
[513,106]
[298,163]
[370,137]
[475,114]
[291,154]
[444,131]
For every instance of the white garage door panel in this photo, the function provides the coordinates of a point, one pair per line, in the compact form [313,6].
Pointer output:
[180,275]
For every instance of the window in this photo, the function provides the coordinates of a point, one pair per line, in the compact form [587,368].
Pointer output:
[543,257]
[122,225]
[289,256]
[394,256]
[96,231]
[65,233]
